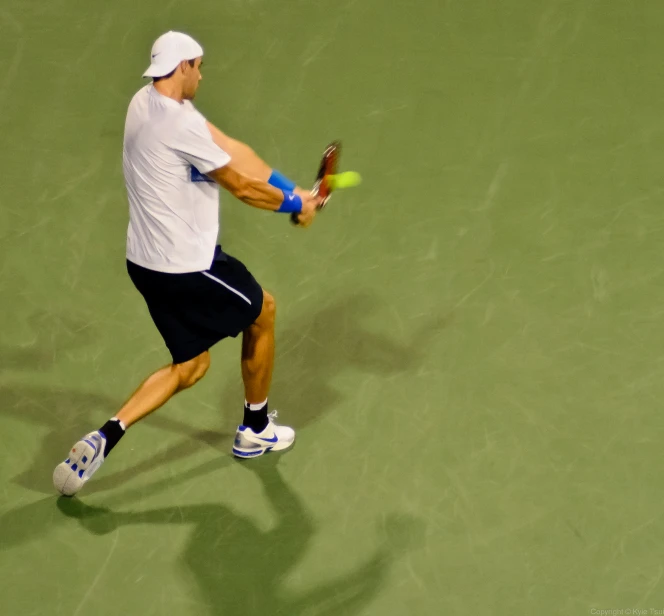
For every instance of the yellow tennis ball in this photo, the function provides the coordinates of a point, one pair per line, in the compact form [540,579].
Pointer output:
[347,179]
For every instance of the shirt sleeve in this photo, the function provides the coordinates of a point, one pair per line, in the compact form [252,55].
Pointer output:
[193,141]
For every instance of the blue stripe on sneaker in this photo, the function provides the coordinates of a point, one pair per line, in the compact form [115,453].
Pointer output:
[80,473]
[74,467]
[91,444]
[84,459]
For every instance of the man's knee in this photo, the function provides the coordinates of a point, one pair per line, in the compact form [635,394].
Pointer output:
[192,371]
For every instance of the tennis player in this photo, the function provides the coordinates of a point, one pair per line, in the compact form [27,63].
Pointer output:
[174,161]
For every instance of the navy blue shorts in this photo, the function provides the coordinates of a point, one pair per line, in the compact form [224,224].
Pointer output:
[196,310]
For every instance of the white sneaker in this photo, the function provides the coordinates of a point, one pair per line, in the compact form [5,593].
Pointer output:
[249,444]
[84,459]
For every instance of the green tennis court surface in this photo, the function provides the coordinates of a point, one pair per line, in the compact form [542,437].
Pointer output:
[469,343]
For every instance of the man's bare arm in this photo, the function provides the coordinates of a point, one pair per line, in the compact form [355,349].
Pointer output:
[261,194]
[245,160]
[249,190]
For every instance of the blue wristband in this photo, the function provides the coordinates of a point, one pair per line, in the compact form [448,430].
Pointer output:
[281,181]
[291,203]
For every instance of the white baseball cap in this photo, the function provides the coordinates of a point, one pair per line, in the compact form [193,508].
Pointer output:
[169,50]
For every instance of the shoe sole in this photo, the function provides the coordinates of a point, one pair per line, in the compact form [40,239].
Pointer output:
[255,453]
[69,476]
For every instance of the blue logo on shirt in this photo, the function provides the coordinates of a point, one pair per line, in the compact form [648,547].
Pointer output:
[197,176]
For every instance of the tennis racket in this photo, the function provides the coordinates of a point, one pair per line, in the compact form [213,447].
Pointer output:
[328,166]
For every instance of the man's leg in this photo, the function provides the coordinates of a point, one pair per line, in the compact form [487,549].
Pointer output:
[258,353]
[159,387]
[258,432]
[87,455]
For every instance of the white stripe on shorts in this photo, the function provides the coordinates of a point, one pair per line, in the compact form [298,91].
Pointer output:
[221,282]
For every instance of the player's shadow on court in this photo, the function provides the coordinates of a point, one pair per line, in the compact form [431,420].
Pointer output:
[341,337]
[241,568]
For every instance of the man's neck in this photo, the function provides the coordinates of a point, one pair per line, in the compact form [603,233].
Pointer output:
[169,89]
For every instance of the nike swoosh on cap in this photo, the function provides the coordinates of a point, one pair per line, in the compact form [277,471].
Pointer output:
[154,55]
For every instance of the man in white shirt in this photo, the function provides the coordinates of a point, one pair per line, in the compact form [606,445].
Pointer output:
[174,161]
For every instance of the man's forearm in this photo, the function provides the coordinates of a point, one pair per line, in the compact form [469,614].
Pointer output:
[251,191]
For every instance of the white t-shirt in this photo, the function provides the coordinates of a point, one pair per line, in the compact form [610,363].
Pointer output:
[173,206]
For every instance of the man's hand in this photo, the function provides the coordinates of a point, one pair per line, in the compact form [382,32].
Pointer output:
[310,205]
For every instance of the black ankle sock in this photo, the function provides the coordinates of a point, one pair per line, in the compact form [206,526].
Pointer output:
[256,420]
[113,431]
